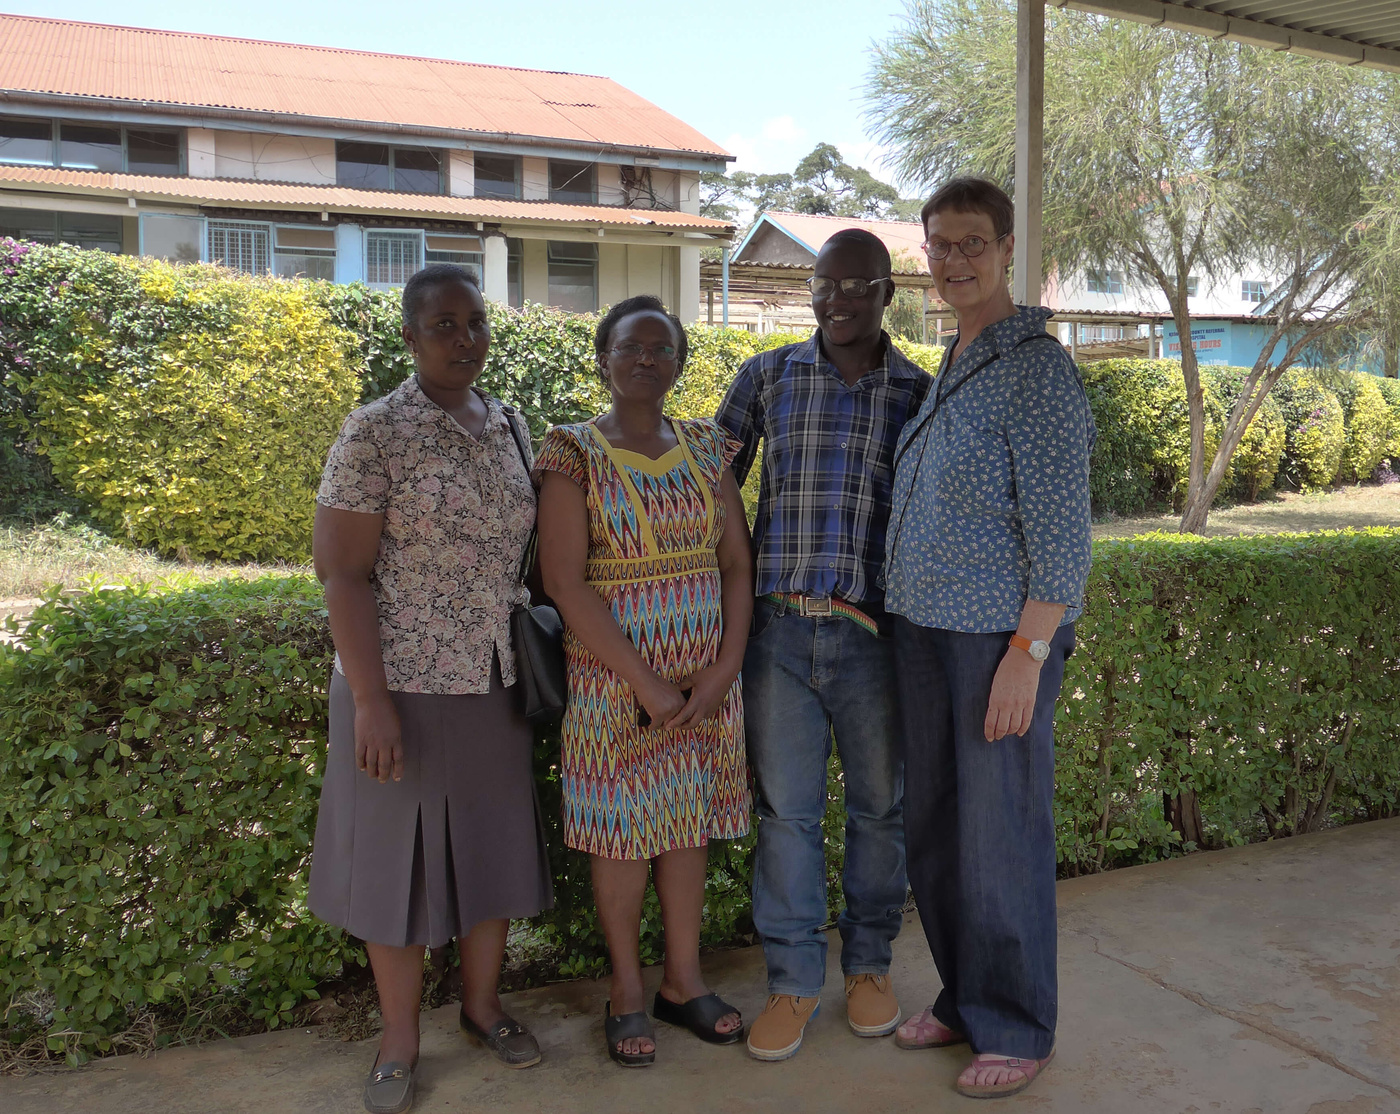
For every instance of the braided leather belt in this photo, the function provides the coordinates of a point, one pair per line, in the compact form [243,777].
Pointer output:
[824,607]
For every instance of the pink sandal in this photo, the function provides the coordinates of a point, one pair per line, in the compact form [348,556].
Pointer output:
[926,1031]
[1027,1069]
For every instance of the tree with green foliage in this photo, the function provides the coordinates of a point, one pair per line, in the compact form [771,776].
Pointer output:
[822,183]
[1167,155]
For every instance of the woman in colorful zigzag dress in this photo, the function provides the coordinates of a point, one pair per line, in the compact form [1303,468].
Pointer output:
[645,549]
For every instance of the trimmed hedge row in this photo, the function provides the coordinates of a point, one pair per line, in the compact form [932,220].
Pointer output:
[163,753]
[191,408]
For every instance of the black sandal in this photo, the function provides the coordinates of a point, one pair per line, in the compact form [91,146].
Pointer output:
[514,1045]
[625,1027]
[699,1015]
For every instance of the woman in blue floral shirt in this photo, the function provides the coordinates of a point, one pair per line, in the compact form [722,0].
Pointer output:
[988,554]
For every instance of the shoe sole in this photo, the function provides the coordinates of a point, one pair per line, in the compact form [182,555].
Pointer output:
[876,1030]
[772,1056]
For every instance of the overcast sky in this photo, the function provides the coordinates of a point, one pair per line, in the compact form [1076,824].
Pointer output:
[767,81]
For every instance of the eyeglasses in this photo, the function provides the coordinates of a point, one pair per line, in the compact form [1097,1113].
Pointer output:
[851,287]
[970,246]
[660,353]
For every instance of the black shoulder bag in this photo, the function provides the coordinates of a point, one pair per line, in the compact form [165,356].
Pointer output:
[537,633]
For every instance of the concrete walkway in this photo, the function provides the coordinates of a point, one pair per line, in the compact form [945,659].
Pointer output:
[1263,980]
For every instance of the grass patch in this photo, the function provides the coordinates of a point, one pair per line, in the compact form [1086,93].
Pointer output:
[69,551]
[1282,512]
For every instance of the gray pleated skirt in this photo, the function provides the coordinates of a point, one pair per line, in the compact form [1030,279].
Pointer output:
[458,841]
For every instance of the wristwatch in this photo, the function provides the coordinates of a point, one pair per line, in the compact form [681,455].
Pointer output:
[1038,650]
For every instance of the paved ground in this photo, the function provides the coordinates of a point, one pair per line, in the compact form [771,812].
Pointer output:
[1264,980]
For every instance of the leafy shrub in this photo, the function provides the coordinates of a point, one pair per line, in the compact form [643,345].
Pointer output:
[1257,676]
[1314,429]
[1143,451]
[1255,464]
[158,782]
[1390,391]
[163,753]
[189,407]
[1368,424]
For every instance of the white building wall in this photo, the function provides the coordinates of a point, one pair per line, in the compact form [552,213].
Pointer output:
[534,179]
[275,158]
[609,184]
[496,279]
[687,303]
[461,174]
[200,152]
[688,194]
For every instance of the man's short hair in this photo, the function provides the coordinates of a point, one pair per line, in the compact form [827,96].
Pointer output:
[968,194]
[879,253]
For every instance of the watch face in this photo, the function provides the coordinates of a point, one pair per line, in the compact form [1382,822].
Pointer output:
[1040,650]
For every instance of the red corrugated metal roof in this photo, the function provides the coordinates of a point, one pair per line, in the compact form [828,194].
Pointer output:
[339,199]
[187,71]
[903,237]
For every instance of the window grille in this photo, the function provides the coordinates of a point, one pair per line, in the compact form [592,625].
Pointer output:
[391,257]
[240,246]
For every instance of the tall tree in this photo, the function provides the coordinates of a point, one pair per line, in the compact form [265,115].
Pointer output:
[1168,155]
[823,182]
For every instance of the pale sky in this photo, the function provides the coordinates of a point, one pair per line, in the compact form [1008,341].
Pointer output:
[767,81]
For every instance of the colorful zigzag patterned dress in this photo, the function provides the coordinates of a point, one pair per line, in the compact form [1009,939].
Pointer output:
[653,526]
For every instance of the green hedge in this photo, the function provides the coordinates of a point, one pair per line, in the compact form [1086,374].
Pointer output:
[188,408]
[159,770]
[1315,428]
[163,752]
[1258,675]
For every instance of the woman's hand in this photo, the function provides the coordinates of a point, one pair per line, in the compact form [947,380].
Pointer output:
[1012,703]
[708,688]
[661,699]
[378,743]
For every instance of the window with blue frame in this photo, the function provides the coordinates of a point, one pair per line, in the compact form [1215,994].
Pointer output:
[1105,282]
[1253,291]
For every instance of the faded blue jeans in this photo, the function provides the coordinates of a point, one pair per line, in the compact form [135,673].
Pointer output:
[980,824]
[808,682]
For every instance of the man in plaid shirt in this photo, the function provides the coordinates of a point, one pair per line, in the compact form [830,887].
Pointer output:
[820,664]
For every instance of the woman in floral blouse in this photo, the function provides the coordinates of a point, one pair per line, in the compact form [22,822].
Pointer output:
[987,557]
[429,828]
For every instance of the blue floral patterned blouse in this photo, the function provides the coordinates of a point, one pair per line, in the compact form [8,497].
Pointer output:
[991,497]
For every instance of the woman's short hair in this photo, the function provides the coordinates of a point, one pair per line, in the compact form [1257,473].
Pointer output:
[415,290]
[638,303]
[969,194]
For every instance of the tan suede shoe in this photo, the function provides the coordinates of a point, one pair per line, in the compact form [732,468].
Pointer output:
[777,1034]
[871,1008]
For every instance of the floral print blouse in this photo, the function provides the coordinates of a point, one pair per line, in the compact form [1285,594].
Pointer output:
[457,515]
[991,496]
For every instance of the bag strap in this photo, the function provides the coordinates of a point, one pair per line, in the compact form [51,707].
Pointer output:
[527,558]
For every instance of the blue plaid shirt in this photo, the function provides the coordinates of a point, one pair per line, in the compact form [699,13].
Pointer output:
[828,450]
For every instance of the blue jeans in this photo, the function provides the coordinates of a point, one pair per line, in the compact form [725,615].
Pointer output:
[807,681]
[980,825]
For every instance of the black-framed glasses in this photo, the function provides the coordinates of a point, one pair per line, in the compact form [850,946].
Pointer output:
[821,287]
[970,246]
[660,353]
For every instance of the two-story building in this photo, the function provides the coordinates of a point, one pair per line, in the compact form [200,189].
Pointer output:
[562,189]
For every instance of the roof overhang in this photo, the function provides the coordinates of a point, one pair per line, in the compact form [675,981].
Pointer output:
[144,191]
[1351,32]
[29,102]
